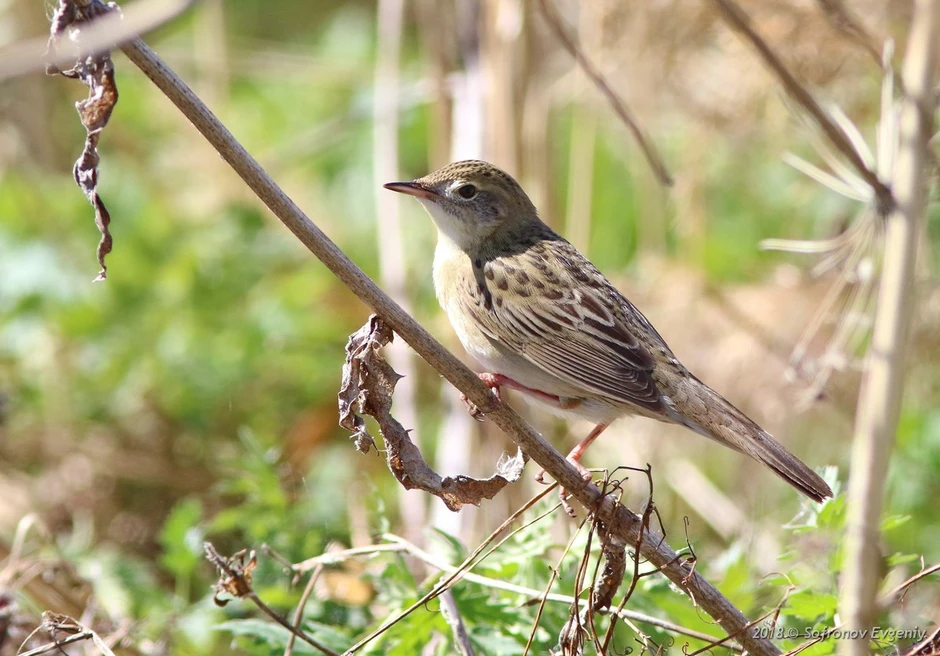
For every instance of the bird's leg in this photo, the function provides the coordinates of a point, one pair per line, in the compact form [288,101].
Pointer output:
[496,381]
[574,457]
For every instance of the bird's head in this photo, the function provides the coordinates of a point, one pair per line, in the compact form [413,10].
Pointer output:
[470,201]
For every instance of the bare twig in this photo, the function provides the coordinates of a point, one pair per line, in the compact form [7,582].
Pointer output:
[619,107]
[609,511]
[879,401]
[54,623]
[56,646]
[543,597]
[895,595]
[647,514]
[738,20]
[452,616]
[235,580]
[299,613]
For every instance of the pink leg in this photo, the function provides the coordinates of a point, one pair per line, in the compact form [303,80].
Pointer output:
[576,453]
[496,381]
[574,456]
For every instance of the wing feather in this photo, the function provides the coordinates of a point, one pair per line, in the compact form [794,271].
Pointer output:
[574,337]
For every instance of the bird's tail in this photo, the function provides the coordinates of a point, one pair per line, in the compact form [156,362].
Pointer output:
[724,423]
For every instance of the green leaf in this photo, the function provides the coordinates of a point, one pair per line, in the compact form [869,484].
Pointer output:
[181,538]
[901,559]
[894,521]
[810,604]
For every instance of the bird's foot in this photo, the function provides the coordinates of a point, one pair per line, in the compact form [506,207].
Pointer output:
[497,381]
[493,382]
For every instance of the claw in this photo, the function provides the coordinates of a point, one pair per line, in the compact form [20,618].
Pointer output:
[472,408]
[480,413]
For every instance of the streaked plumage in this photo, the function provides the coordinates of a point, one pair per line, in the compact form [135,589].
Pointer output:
[528,306]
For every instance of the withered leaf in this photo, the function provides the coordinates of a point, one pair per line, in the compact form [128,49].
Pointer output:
[97,73]
[367,388]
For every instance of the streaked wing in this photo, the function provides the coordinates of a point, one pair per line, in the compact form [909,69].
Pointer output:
[566,330]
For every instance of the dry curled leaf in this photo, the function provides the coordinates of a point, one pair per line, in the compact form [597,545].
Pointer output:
[367,388]
[571,637]
[56,622]
[235,573]
[614,553]
[97,73]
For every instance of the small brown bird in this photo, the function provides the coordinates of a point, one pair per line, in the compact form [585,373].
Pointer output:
[543,320]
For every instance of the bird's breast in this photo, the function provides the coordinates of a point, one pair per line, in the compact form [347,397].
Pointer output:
[453,280]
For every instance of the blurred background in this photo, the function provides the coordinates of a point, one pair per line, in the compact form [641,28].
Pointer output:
[192,395]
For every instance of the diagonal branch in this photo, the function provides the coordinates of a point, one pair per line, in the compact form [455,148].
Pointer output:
[739,21]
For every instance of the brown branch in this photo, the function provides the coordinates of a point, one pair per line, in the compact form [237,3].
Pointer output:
[54,623]
[619,107]
[50,647]
[739,21]
[235,580]
[893,596]
[621,521]
[299,613]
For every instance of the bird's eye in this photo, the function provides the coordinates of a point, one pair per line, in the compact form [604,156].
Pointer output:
[467,191]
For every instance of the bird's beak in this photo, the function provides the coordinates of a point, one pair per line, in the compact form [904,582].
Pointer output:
[415,188]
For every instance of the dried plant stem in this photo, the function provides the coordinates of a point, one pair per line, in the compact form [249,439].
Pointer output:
[879,401]
[452,616]
[299,612]
[619,520]
[57,646]
[392,269]
[739,21]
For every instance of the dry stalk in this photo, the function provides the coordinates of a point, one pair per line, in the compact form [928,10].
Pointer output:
[739,21]
[235,580]
[879,402]
[653,157]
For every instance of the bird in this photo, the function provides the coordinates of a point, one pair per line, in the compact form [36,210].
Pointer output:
[543,320]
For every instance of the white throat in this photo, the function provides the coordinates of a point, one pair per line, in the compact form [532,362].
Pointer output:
[462,234]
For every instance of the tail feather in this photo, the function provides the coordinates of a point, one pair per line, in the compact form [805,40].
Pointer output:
[717,419]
